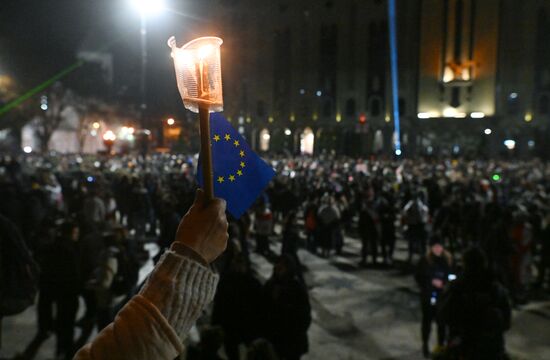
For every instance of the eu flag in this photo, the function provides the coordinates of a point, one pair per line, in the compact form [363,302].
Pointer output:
[240,175]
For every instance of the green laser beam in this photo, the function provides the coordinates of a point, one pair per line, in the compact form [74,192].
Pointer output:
[4,109]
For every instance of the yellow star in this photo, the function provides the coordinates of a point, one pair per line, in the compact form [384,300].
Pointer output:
[239,172]
[227,137]
[241,153]
[242,164]
[236,142]
[231,178]
[220,179]
[216,138]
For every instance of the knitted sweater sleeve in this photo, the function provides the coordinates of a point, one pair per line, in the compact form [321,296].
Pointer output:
[153,324]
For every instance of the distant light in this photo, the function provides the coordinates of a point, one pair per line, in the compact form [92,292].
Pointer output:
[387,118]
[241,130]
[292,117]
[424,115]
[270,119]
[44,107]
[528,117]
[513,95]
[95,125]
[449,112]
[460,115]
[248,119]
[266,136]
[477,115]
[124,129]
[531,143]
[27,149]
[97,164]
[456,149]
[398,152]
[315,117]
[338,117]
[318,93]
[302,91]
[93,132]
[496,177]
[487,131]
[90,179]
[109,136]
[510,144]
[430,149]
[131,130]
[241,120]
[130,137]
[288,132]
[170,121]
[148,7]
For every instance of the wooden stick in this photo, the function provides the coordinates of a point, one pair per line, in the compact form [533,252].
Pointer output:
[206,153]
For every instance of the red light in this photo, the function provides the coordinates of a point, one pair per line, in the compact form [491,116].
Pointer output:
[362,119]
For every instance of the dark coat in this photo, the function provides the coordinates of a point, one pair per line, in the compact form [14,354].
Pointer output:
[288,316]
[429,268]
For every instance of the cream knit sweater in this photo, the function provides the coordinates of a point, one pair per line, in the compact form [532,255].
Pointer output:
[154,323]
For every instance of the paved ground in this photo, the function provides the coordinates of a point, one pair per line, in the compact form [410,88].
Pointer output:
[358,313]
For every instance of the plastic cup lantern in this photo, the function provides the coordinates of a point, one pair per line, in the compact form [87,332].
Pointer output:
[199,79]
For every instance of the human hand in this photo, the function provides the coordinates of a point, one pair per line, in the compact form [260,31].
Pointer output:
[204,228]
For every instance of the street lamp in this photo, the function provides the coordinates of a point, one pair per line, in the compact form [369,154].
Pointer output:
[108,140]
[146,8]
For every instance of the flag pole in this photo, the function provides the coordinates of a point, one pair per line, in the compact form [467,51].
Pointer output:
[206,152]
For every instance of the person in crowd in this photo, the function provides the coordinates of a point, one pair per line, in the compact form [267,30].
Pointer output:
[94,211]
[432,274]
[237,306]
[287,309]
[261,349]
[386,213]
[544,262]
[415,217]
[476,308]
[291,237]
[263,226]
[369,231]
[211,341]
[310,223]
[59,288]
[329,217]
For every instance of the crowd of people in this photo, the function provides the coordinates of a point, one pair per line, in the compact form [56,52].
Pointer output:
[86,219]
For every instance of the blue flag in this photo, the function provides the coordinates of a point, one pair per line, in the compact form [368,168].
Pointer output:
[240,176]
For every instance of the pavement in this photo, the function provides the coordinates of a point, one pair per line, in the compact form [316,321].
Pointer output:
[358,313]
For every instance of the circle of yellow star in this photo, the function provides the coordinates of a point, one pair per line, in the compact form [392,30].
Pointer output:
[220,179]
[227,137]
[236,143]
[216,138]
[231,178]
[242,164]
[241,153]
[239,172]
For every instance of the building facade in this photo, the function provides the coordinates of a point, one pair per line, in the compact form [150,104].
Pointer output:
[312,76]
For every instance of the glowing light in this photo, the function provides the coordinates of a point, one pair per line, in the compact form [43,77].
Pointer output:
[338,117]
[487,131]
[44,107]
[513,95]
[510,144]
[448,74]
[302,91]
[315,116]
[97,164]
[148,7]
[292,117]
[27,149]
[170,121]
[131,130]
[204,51]
[270,119]
[288,132]
[266,136]
[248,119]
[449,112]
[424,115]
[93,132]
[318,93]
[496,177]
[387,118]
[528,117]
[531,143]
[95,125]
[460,115]
[398,152]
[109,136]
[477,115]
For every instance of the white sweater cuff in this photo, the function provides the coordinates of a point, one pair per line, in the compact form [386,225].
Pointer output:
[180,288]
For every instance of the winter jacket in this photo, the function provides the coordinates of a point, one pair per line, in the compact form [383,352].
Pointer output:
[154,323]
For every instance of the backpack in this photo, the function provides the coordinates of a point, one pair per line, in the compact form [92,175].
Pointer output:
[18,271]
[127,275]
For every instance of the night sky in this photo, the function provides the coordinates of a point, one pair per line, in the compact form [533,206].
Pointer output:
[39,38]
